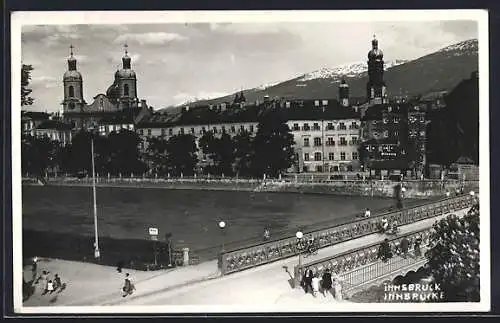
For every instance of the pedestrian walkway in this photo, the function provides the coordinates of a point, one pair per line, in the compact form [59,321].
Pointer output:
[91,284]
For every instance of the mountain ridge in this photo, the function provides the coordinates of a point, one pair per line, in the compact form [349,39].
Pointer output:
[438,71]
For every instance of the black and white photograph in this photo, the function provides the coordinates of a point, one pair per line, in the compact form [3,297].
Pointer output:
[250,162]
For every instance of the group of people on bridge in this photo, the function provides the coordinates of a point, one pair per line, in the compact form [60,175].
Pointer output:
[328,283]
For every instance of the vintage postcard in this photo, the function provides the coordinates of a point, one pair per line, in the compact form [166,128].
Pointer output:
[242,162]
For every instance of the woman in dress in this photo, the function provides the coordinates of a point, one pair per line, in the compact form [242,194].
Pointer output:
[326,282]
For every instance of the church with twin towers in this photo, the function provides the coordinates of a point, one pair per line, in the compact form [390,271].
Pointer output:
[119,105]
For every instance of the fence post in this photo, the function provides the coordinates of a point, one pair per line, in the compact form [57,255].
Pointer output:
[185,256]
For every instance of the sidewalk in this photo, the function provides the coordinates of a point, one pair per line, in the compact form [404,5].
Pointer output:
[90,284]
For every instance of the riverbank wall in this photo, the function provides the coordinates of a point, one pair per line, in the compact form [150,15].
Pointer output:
[374,188]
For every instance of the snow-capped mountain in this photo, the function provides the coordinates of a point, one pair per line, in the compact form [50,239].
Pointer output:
[438,71]
[466,47]
[347,70]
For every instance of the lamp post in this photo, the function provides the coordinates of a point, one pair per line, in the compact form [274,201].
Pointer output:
[222,225]
[97,253]
[300,245]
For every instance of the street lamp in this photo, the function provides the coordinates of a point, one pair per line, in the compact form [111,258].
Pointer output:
[97,253]
[300,245]
[222,225]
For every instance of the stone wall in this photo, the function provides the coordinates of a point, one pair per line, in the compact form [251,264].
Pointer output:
[413,189]
[378,188]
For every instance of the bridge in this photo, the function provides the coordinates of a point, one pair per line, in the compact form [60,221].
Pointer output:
[268,273]
[264,274]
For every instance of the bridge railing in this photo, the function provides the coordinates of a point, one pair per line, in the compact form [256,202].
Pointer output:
[262,253]
[362,264]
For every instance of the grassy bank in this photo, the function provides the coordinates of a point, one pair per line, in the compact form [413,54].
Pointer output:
[134,254]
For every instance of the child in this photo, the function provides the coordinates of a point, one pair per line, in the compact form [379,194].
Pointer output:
[315,285]
[50,287]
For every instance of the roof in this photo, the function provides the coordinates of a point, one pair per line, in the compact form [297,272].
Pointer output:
[54,125]
[35,115]
[121,117]
[376,112]
[235,113]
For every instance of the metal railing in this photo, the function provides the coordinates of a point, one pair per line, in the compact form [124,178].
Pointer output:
[266,252]
[362,264]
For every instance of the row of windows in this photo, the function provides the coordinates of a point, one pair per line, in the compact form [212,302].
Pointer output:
[319,168]
[331,142]
[329,126]
[203,130]
[331,156]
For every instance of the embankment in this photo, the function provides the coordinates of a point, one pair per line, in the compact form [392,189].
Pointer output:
[376,188]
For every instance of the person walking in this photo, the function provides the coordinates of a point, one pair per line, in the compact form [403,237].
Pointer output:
[337,286]
[384,251]
[368,213]
[267,234]
[315,284]
[326,282]
[404,245]
[307,280]
[416,247]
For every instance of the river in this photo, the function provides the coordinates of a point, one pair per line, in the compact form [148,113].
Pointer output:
[190,215]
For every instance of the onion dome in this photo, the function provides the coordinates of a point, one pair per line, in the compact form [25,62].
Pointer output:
[126,71]
[375,53]
[72,73]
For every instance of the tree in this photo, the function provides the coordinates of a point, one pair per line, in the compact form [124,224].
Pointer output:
[273,145]
[38,155]
[181,155]
[454,257]
[25,80]
[156,154]
[224,155]
[207,145]
[243,153]
[124,153]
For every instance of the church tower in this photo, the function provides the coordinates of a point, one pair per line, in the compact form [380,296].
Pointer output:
[344,93]
[375,88]
[73,86]
[126,84]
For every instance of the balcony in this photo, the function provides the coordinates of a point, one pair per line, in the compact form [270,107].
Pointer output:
[306,129]
[354,142]
[343,143]
[351,127]
[341,128]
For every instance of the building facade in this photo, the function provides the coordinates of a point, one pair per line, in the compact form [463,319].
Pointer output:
[326,133]
[120,99]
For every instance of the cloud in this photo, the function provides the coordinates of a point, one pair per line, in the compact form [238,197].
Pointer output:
[152,38]
[44,81]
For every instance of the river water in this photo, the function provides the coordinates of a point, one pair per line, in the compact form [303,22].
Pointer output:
[190,215]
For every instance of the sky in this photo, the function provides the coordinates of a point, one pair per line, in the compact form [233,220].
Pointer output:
[177,62]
